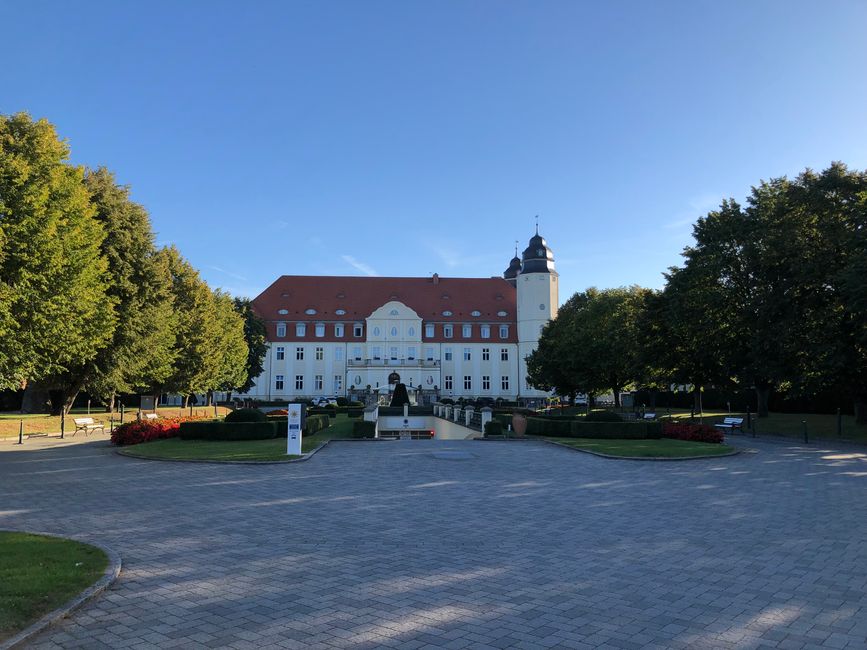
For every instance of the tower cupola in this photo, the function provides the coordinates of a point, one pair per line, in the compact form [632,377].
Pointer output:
[538,256]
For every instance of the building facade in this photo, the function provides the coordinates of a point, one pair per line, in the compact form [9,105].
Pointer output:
[442,337]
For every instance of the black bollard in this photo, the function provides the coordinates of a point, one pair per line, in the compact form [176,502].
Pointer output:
[806,439]
[21,432]
[839,424]
[62,425]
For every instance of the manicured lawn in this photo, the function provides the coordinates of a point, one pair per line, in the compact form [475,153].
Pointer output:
[39,574]
[274,449]
[40,423]
[664,448]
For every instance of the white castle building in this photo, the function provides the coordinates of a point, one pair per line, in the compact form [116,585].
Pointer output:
[442,337]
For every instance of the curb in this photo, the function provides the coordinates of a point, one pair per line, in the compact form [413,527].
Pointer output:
[112,571]
[657,459]
[304,457]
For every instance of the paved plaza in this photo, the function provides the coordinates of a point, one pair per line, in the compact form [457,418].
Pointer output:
[504,544]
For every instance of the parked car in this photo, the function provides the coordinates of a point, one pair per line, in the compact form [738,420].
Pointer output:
[324,401]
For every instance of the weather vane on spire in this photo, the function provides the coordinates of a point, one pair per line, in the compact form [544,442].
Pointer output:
[537,224]
[516,248]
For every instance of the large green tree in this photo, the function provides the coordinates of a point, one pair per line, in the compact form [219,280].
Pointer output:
[53,276]
[230,345]
[256,336]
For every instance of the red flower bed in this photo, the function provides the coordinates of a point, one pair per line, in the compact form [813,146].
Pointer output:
[691,432]
[278,412]
[138,431]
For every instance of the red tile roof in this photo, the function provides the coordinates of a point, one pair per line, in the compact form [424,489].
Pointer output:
[358,297]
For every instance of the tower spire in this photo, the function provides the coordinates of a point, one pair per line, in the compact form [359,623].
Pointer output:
[537,224]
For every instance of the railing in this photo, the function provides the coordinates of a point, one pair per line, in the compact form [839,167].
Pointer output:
[405,363]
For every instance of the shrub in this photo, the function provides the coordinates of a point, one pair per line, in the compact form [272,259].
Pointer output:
[493,428]
[138,431]
[564,428]
[246,415]
[223,430]
[356,404]
[355,413]
[363,429]
[548,427]
[342,401]
[447,400]
[315,423]
[691,432]
[603,416]
[328,412]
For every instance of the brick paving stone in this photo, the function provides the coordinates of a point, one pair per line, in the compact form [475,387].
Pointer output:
[525,545]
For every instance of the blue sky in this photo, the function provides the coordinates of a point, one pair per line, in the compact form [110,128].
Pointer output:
[403,138]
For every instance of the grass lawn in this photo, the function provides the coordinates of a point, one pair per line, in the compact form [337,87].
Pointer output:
[664,448]
[40,423]
[274,449]
[39,574]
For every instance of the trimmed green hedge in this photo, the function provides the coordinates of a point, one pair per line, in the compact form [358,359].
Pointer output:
[222,430]
[603,416]
[493,428]
[598,430]
[363,429]
[246,415]
[355,413]
[316,423]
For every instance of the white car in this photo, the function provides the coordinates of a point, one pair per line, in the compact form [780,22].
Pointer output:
[324,401]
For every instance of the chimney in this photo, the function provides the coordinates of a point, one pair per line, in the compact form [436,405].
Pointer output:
[436,278]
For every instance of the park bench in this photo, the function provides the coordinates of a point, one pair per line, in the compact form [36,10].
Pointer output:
[649,416]
[150,416]
[88,425]
[731,424]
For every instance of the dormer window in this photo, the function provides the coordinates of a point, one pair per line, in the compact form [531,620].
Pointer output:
[310,312]
[486,331]
[504,331]
[448,332]
[320,329]
[300,329]
[281,330]
[429,330]
[467,331]
[358,330]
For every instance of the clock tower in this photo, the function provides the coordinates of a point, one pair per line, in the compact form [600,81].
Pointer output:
[537,300]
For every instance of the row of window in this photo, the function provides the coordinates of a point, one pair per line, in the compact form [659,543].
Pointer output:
[449,381]
[358,331]
[376,353]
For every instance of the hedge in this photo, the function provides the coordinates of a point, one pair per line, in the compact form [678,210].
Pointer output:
[363,429]
[355,413]
[222,430]
[315,423]
[246,415]
[598,430]
[139,431]
[493,428]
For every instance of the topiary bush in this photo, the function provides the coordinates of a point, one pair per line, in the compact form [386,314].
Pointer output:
[246,415]
[363,429]
[493,428]
[603,416]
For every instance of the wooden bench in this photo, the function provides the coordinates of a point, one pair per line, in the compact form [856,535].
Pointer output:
[88,425]
[649,416]
[730,424]
[150,416]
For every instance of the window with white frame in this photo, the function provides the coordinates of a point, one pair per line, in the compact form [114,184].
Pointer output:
[376,352]
[358,330]
[338,383]
[468,382]
[504,331]
[410,352]
[486,331]
[428,354]
[281,330]
[338,330]
[392,352]
[429,330]
[278,382]
[320,329]
[320,354]
[504,354]
[486,354]
[467,331]
[504,383]
[356,352]
[317,382]
[447,354]
[486,382]
[281,353]
[447,385]
[468,354]
[448,331]
[300,329]
[299,354]
[299,382]
[338,354]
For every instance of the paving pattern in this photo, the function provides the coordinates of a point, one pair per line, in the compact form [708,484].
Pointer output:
[493,545]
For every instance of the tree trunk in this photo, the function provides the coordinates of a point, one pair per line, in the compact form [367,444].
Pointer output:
[696,399]
[860,410]
[763,392]
[186,401]
[109,404]
[35,399]
[209,398]
[616,391]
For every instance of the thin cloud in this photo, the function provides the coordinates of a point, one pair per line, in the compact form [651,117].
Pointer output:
[698,207]
[447,256]
[359,266]
[229,273]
